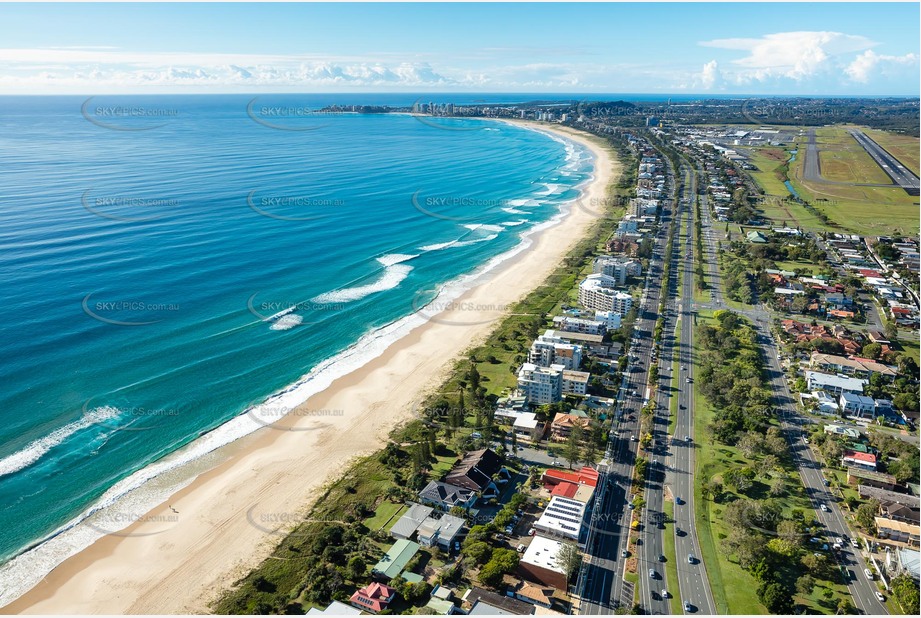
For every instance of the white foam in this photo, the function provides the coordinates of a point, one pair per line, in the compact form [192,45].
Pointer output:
[515,211]
[523,202]
[393,274]
[35,450]
[458,243]
[473,227]
[514,223]
[395,258]
[155,483]
[552,188]
[287,322]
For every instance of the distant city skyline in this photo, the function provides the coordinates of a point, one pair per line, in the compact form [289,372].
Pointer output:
[706,48]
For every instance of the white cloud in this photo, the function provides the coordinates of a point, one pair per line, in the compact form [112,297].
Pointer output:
[866,64]
[791,55]
[710,76]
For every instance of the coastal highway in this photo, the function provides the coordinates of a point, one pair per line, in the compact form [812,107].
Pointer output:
[601,585]
[794,426]
[693,584]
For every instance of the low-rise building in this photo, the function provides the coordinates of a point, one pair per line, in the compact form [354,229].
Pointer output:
[842,430]
[475,471]
[562,425]
[857,367]
[336,608]
[581,325]
[562,519]
[898,531]
[441,532]
[527,428]
[486,603]
[856,405]
[833,384]
[540,563]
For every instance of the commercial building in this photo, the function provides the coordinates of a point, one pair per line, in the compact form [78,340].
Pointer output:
[540,563]
[833,384]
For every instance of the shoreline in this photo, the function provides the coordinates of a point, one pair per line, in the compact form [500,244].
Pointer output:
[183,567]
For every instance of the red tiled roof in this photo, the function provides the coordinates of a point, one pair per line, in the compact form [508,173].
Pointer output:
[565,489]
[585,476]
[374,596]
[857,456]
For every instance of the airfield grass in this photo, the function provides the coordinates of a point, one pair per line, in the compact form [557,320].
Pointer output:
[902,147]
[842,159]
[767,160]
[793,213]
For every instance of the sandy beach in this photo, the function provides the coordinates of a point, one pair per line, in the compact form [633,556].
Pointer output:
[182,567]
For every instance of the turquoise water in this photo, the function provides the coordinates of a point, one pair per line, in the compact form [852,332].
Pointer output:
[167,263]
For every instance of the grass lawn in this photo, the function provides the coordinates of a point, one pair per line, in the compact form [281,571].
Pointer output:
[767,160]
[909,344]
[792,213]
[671,559]
[386,512]
[798,267]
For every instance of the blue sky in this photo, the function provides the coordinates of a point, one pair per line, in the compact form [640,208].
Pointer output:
[732,48]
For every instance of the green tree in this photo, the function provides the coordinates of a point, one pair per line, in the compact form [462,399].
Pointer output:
[872,350]
[569,558]
[805,584]
[574,445]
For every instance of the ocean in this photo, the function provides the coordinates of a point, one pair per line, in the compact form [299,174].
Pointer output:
[179,271]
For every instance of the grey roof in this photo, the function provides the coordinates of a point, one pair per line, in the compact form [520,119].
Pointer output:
[407,525]
[443,493]
[909,559]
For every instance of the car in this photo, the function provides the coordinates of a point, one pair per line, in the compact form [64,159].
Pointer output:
[456,545]
[519,447]
[823,507]
[661,558]
[476,434]
[509,529]
[678,500]
[879,595]
[532,532]
[665,594]
[633,438]
[868,573]
[631,505]
[687,606]
[855,543]
[652,574]
[520,548]
[690,558]
[825,482]
[683,368]
[687,438]
[623,553]
[688,380]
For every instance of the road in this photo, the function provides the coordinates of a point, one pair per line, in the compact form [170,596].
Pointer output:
[601,586]
[694,586]
[792,423]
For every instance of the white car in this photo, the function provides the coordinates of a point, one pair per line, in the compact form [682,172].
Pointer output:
[823,507]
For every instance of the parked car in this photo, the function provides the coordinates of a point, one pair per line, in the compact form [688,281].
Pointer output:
[521,548]
[532,532]
[868,573]
[665,594]
[623,553]
[661,558]
[879,595]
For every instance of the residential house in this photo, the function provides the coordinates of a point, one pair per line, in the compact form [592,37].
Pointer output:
[444,496]
[857,459]
[863,476]
[406,526]
[855,405]
[842,430]
[336,608]
[898,531]
[373,598]
[441,532]
[395,560]
[476,470]
[486,603]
